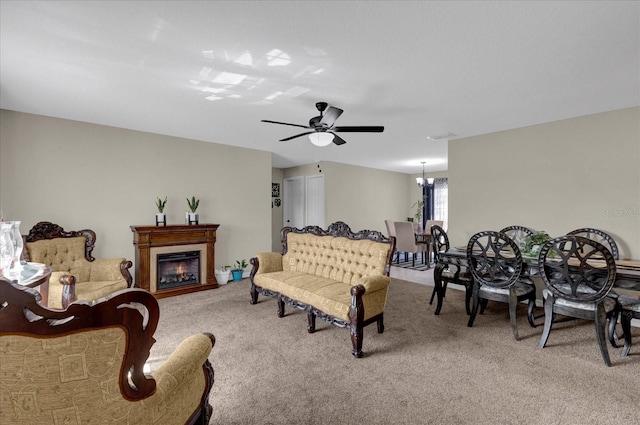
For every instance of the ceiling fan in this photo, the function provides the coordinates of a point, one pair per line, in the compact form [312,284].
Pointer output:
[323,131]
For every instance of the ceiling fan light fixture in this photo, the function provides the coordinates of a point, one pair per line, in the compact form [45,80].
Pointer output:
[321,138]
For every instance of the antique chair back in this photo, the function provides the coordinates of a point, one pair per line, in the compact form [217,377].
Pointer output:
[518,234]
[85,364]
[599,236]
[496,265]
[578,274]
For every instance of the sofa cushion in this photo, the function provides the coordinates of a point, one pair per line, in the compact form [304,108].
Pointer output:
[62,254]
[336,258]
[330,296]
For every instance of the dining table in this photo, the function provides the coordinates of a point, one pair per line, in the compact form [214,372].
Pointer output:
[627,272]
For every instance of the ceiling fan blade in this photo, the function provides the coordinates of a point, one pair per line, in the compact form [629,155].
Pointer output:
[297,135]
[330,116]
[337,139]
[361,129]
[286,123]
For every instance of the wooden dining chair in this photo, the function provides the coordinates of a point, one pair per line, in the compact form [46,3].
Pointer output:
[579,274]
[496,265]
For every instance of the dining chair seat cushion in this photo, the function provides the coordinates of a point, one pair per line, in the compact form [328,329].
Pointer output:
[520,288]
[609,303]
[450,274]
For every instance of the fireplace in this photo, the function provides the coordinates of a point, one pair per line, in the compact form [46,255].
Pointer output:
[178,269]
[175,259]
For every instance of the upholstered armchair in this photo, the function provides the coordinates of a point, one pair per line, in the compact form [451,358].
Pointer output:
[76,274]
[85,364]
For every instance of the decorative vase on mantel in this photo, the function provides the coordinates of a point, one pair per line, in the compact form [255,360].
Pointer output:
[191,218]
[161,219]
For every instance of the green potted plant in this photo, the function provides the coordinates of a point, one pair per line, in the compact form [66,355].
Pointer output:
[161,218]
[238,269]
[192,217]
[222,274]
[534,243]
[419,207]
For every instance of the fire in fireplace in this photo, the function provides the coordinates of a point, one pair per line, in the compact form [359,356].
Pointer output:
[178,269]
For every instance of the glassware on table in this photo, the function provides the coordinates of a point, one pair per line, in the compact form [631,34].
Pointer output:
[15,239]
[7,248]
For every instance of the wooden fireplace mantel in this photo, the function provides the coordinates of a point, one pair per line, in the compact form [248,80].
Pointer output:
[145,238]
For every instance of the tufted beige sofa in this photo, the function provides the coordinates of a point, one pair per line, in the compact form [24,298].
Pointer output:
[76,274]
[84,365]
[335,274]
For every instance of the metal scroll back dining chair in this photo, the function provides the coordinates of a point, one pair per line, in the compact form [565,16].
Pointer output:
[578,274]
[447,271]
[518,234]
[406,240]
[599,236]
[496,265]
[428,225]
[608,242]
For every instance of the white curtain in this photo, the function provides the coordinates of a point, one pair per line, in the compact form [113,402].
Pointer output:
[441,200]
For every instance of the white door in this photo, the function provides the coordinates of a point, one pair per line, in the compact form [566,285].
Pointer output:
[314,201]
[293,194]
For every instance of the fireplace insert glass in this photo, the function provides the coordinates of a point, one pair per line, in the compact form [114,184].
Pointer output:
[178,269]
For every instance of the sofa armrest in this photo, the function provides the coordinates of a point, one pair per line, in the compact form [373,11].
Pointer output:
[185,379]
[375,283]
[268,262]
[103,269]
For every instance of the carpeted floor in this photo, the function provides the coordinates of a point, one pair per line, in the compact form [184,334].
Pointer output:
[424,369]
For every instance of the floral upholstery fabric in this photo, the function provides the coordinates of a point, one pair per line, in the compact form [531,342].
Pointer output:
[73,379]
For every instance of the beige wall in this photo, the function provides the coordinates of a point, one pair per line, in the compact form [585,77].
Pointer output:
[558,176]
[82,175]
[361,197]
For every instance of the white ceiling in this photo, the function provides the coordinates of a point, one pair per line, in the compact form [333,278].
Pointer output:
[418,68]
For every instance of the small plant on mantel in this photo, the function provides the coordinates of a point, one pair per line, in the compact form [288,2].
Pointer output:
[193,204]
[161,204]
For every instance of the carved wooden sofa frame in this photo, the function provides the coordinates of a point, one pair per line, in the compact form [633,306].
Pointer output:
[357,322]
[133,312]
[45,230]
